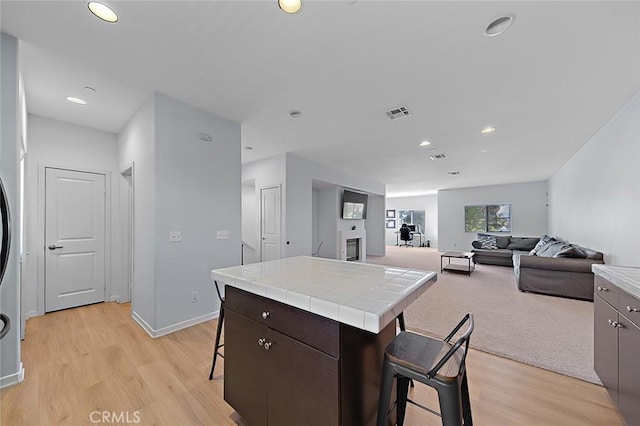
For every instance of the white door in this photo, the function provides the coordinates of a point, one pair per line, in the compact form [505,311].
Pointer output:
[74,238]
[270,223]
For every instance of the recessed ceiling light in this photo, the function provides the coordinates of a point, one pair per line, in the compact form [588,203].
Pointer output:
[499,26]
[76,101]
[295,114]
[488,130]
[425,143]
[103,11]
[290,6]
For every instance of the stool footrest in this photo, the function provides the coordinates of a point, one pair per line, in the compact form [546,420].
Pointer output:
[424,408]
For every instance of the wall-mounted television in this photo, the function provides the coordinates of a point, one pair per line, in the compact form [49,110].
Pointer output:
[354,205]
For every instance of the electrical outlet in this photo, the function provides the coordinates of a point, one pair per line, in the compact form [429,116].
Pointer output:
[175,236]
[223,235]
[194,296]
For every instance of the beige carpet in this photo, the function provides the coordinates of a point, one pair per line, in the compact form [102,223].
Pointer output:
[545,331]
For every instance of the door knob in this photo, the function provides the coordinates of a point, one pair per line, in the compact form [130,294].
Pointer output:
[53,247]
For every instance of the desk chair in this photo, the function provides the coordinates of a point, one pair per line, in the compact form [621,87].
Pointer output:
[436,363]
[217,345]
[406,236]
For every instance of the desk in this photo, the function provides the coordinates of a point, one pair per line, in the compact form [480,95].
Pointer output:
[305,337]
[420,244]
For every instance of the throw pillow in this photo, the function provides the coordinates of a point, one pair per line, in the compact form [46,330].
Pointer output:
[476,244]
[543,241]
[488,241]
[502,241]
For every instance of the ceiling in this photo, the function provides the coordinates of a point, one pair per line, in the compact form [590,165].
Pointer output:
[547,84]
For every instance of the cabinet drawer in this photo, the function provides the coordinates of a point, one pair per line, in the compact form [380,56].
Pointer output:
[306,327]
[629,306]
[607,291]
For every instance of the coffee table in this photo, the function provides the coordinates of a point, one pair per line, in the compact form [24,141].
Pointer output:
[457,267]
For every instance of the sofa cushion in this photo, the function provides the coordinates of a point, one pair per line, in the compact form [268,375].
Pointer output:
[483,253]
[488,241]
[522,243]
[502,241]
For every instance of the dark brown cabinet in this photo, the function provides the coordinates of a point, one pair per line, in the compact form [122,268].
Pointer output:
[285,366]
[617,346]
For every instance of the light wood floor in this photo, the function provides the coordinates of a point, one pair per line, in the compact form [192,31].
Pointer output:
[96,358]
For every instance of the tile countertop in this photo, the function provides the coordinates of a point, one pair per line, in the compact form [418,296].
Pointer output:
[362,295]
[625,277]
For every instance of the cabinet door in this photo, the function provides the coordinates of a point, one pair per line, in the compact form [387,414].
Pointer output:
[605,349]
[245,376]
[629,381]
[303,384]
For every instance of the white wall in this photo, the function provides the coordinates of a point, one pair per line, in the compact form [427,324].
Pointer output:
[327,218]
[298,201]
[595,197]
[198,192]
[375,225]
[428,203]
[295,175]
[529,216]
[10,134]
[59,144]
[250,223]
[136,144]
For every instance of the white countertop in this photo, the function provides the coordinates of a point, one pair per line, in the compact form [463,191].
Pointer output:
[625,277]
[362,295]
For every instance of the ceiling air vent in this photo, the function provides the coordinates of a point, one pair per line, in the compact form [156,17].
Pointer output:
[438,157]
[396,113]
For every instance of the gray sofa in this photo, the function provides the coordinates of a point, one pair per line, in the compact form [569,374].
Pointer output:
[557,268]
[505,247]
[552,266]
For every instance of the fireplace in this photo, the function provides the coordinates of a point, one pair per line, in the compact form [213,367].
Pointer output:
[353,249]
[352,245]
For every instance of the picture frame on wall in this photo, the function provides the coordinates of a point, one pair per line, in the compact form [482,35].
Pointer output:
[391,223]
[391,214]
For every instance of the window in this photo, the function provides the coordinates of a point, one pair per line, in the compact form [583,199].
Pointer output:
[487,218]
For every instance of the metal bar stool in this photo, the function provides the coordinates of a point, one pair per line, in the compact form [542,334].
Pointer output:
[217,345]
[436,363]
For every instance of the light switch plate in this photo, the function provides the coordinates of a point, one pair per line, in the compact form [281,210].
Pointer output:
[175,236]
[223,235]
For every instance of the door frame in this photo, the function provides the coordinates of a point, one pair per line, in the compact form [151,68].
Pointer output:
[127,208]
[259,195]
[40,248]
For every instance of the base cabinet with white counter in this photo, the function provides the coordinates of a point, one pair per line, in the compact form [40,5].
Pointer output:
[617,336]
[304,338]
[323,375]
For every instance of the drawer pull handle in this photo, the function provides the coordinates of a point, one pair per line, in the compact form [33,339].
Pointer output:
[265,314]
[630,309]
[267,345]
[261,341]
[602,288]
[615,324]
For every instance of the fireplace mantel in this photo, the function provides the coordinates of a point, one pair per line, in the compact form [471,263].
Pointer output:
[360,235]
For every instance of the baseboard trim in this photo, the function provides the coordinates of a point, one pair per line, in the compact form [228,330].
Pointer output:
[174,327]
[31,314]
[12,379]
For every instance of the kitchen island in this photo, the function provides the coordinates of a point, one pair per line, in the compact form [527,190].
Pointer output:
[305,337]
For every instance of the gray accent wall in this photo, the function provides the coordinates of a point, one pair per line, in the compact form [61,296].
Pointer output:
[11,119]
[595,197]
[528,211]
[185,184]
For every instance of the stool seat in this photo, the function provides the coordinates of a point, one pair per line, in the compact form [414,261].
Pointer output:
[421,353]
